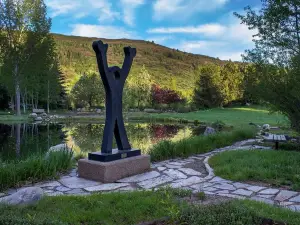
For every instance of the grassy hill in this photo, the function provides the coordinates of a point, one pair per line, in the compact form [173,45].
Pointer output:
[169,67]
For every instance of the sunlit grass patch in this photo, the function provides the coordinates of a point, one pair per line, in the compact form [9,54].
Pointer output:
[197,144]
[278,168]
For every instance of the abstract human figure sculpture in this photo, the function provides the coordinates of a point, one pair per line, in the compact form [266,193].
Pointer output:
[113,79]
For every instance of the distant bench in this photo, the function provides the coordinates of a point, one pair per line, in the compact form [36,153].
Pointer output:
[275,139]
[38,111]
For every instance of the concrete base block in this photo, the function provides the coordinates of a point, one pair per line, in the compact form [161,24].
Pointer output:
[109,172]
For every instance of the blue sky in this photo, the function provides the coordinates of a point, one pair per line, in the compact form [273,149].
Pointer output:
[205,27]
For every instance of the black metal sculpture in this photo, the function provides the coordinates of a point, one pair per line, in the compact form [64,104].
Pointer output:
[113,79]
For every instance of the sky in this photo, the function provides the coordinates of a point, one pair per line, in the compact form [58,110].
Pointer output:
[206,27]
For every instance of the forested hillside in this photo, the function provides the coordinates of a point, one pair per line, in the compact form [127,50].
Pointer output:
[168,67]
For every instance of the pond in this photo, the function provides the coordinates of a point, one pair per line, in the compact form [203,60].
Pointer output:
[19,141]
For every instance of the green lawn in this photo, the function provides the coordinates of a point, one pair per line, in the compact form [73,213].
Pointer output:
[12,118]
[114,208]
[279,168]
[136,207]
[237,116]
[238,212]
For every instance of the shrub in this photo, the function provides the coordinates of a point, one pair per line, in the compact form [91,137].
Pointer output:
[219,125]
[164,96]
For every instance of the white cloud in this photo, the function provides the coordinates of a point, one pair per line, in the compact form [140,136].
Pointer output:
[234,32]
[160,39]
[183,9]
[81,8]
[129,7]
[233,56]
[220,49]
[110,32]
[206,29]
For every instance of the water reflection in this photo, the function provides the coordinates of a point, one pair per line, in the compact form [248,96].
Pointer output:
[22,140]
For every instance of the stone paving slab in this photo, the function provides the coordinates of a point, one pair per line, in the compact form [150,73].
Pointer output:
[140,177]
[76,182]
[189,171]
[154,182]
[174,173]
[106,187]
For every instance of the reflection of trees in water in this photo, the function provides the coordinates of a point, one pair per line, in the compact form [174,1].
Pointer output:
[163,131]
[139,135]
[87,137]
[23,140]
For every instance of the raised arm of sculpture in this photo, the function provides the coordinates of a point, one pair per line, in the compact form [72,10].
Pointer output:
[101,50]
[129,56]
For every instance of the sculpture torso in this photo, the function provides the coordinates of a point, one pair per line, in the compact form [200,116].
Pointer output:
[113,79]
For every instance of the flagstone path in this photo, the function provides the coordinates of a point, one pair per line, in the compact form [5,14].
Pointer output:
[192,173]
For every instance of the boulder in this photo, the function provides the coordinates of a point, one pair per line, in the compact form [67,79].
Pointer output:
[98,111]
[266,127]
[33,115]
[209,131]
[44,114]
[60,147]
[38,118]
[25,196]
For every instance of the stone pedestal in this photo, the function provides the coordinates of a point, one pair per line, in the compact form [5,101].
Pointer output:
[109,172]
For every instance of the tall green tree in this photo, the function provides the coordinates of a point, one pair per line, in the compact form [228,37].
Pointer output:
[276,56]
[208,91]
[137,91]
[88,91]
[232,83]
[23,27]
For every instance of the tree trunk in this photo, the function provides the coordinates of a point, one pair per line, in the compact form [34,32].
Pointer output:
[37,101]
[18,99]
[18,94]
[12,102]
[18,140]
[48,99]
[24,104]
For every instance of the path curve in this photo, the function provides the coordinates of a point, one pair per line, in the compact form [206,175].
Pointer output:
[193,173]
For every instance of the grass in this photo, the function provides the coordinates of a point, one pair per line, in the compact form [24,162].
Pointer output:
[236,116]
[108,209]
[279,168]
[237,212]
[137,207]
[13,118]
[34,168]
[197,144]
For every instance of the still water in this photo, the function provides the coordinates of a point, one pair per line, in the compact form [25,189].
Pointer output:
[19,141]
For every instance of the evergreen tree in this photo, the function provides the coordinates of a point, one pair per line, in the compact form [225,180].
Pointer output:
[208,91]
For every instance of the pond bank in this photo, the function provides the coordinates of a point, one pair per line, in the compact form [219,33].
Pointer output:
[178,173]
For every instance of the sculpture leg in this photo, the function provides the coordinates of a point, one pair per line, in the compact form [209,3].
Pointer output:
[109,126]
[121,135]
